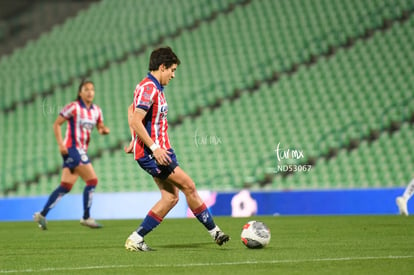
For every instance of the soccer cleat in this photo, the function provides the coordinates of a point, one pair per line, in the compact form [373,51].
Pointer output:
[221,238]
[402,205]
[41,221]
[136,243]
[90,223]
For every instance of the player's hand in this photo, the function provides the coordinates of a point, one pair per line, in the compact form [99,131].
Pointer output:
[162,156]
[130,148]
[104,130]
[63,150]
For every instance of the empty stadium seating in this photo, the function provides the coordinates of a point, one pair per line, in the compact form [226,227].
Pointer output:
[342,97]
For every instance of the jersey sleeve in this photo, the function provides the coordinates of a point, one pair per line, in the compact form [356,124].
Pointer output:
[68,111]
[143,98]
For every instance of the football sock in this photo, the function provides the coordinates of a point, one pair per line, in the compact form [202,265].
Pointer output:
[148,224]
[87,197]
[409,191]
[54,198]
[204,216]
[214,231]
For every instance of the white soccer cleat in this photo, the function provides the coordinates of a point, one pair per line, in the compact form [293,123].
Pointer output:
[136,243]
[402,205]
[41,221]
[90,223]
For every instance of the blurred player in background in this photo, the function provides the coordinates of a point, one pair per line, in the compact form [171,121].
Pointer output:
[147,118]
[82,116]
[402,200]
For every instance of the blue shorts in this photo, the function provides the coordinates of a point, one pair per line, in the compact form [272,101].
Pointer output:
[149,164]
[74,157]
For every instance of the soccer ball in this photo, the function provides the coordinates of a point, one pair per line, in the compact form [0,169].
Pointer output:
[255,234]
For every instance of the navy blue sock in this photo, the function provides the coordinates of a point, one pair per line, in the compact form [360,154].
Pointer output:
[56,195]
[204,216]
[148,224]
[87,197]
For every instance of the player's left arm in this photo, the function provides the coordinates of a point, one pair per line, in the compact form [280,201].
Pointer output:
[102,129]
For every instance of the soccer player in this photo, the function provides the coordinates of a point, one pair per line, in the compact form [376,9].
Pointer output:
[82,116]
[402,200]
[147,118]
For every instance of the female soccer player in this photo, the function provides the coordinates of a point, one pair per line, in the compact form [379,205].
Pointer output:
[82,116]
[147,118]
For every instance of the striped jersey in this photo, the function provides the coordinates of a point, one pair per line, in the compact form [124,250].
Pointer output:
[81,121]
[149,96]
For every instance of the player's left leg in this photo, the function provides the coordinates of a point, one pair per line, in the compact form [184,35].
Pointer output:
[87,173]
[409,190]
[180,179]
[402,200]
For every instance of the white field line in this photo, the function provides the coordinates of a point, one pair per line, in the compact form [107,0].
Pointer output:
[51,269]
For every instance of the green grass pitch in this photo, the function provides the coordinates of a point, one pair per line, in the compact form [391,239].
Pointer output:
[299,245]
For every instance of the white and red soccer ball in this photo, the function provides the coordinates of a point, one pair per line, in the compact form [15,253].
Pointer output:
[255,234]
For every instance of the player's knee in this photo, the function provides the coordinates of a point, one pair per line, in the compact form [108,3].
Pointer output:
[174,200]
[171,201]
[92,182]
[189,189]
[66,185]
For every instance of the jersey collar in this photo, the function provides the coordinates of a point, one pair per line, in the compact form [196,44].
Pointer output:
[83,105]
[153,79]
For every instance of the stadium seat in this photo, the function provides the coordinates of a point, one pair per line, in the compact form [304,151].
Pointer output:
[340,98]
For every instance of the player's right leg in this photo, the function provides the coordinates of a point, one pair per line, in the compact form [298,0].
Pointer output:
[67,181]
[169,198]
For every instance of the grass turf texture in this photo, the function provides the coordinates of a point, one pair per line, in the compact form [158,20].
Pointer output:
[299,245]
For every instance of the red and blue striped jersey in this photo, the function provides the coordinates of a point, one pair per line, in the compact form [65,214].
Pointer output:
[149,96]
[81,121]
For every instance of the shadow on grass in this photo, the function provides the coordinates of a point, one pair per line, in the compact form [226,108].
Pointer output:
[186,245]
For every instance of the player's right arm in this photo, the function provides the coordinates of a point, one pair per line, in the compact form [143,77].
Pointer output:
[161,155]
[58,134]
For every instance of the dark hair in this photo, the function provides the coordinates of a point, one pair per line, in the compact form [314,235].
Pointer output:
[83,82]
[161,56]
